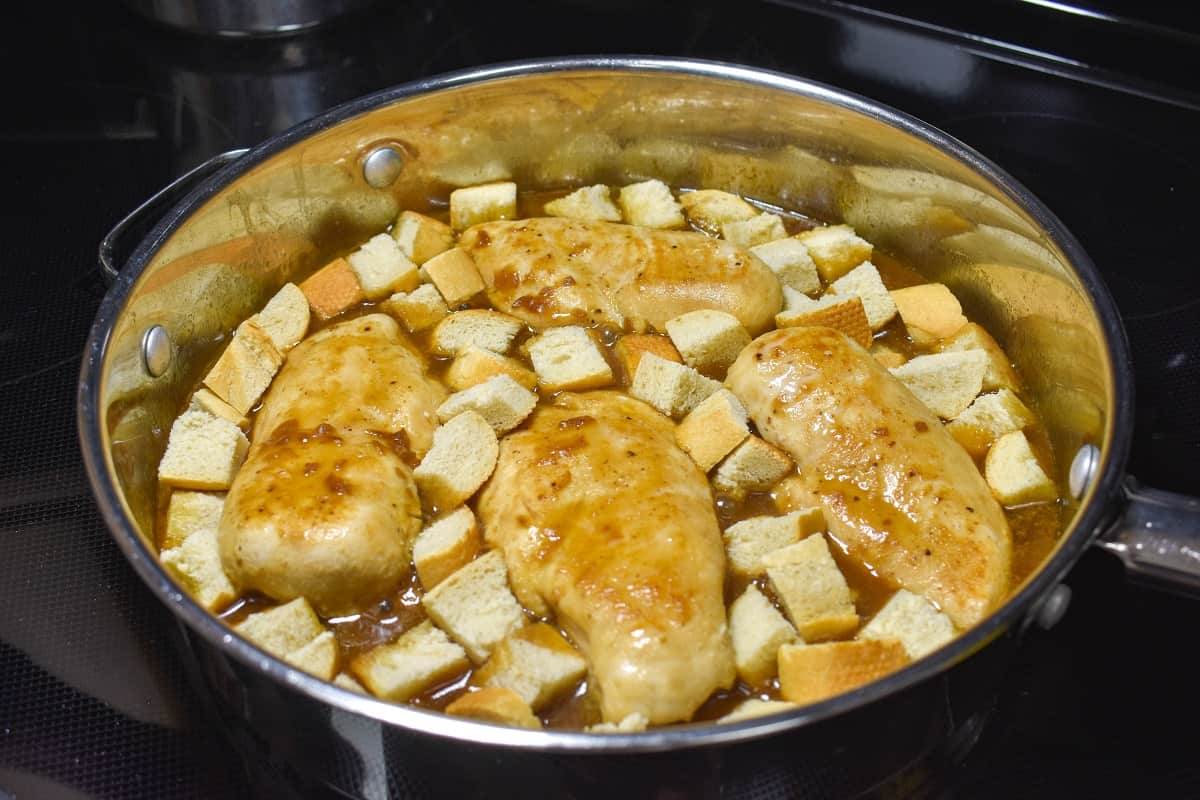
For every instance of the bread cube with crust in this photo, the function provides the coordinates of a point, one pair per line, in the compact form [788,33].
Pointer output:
[332,289]
[759,229]
[650,204]
[749,541]
[835,249]
[591,203]
[811,588]
[753,466]
[484,203]
[887,356]
[633,723]
[758,631]
[536,662]
[568,358]
[420,309]
[285,317]
[455,275]
[814,672]
[1000,373]
[501,401]
[420,237]
[205,400]
[283,629]
[864,281]
[463,456]
[930,312]
[495,704]
[709,209]
[788,258]
[245,369]
[946,383]
[196,564]
[988,418]
[481,327]
[421,657]
[1014,474]
[713,428]
[630,349]
[319,657]
[474,365]
[382,268]
[674,389]
[203,452]
[475,606]
[845,313]
[190,512]
[707,339]
[911,620]
[754,708]
[445,546]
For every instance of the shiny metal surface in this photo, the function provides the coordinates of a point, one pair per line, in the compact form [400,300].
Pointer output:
[382,167]
[245,17]
[156,350]
[1051,610]
[1158,539]
[1083,470]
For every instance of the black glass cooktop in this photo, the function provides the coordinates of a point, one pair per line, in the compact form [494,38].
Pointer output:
[1098,113]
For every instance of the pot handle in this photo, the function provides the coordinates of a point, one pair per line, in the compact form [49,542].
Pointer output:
[150,210]
[1158,538]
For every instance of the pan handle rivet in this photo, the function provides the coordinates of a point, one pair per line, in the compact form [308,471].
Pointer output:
[382,166]
[1054,607]
[1083,470]
[156,350]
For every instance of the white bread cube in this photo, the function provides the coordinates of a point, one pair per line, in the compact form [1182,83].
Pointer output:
[707,339]
[481,327]
[591,203]
[495,704]
[332,289]
[1000,373]
[864,281]
[445,546]
[758,630]
[346,681]
[811,588]
[420,309]
[568,358]
[319,657]
[485,203]
[283,629]
[501,401]
[651,205]
[285,317]
[788,258]
[630,349]
[887,356]
[463,456]
[420,237]
[749,541]
[474,365]
[835,249]
[475,606]
[753,466]
[754,708]
[245,369]
[911,620]
[205,400]
[536,662]
[422,657]
[196,564]
[759,229]
[709,209]
[455,275]
[930,312]
[810,673]
[945,382]
[1013,473]
[713,429]
[189,512]
[633,723]
[674,389]
[382,268]
[845,313]
[203,452]
[988,418]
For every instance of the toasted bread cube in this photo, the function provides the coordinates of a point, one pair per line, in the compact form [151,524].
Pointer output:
[205,400]
[674,389]
[754,708]
[475,606]
[445,546]
[463,456]
[196,564]
[318,657]
[911,620]
[633,723]
[480,327]
[709,209]
[1013,473]
[788,258]
[346,681]
[495,704]
[835,249]
[420,237]
[809,673]
[245,369]
[332,289]
[592,203]
[629,350]
[756,230]
[203,452]
[285,317]
[651,205]
[422,657]
[382,268]
[753,466]
[988,418]
[845,313]
[420,309]
[945,382]
[568,358]
[474,365]
[1000,373]
[758,630]
[864,281]
[536,662]
[501,401]
[485,203]
[708,340]
[189,512]
[813,591]
[455,275]
[749,541]
[283,629]
[713,429]
[888,357]
[930,312]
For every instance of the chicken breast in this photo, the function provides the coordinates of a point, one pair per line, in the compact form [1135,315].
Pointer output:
[605,521]
[899,493]
[551,271]
[325,506]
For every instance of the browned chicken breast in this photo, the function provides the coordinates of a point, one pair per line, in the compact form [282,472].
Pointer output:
[551,271]
[899,493]
[605,521]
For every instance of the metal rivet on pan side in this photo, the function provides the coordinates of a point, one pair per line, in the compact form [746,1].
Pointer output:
[1054,607]
[382,166]
[1083,470]
[156,350]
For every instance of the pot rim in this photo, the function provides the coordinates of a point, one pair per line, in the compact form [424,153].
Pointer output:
[1096,508]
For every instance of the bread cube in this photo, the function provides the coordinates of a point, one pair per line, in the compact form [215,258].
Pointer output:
[485,203]
[865,282]
[285,317]
[911,620]
[811,588]
[633,723]
[445,546]
[651,205]
[382,268]
[203,452]
[930,312]
[536,662]
[420,309]
[708,340]
[319,657]
[1000,373]
[591,203]
[1013,473]
[474,365]
[793,494]
[480,327]
[346,681]
[332,289]
[713,429]
[674,389]
[455,275]
[945,382]
[988,418]
[189,512]
[758,630]
[283,629]
[420,237]
[629,350]
[845,313]
[759,229]
[475,606]
[887,356]
[463,456]
[495,704]
[788,258]
[196,565]
[422,657]
[568,359]
[810,673]
[501,401]
[753,466]
[835,249]
[754,708]
[245,369]
[709,209]
[749,541]
[205,400]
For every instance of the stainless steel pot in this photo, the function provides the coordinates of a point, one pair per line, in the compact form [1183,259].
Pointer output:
[280,210]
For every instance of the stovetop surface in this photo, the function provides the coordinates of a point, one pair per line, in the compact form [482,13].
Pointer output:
[104,108]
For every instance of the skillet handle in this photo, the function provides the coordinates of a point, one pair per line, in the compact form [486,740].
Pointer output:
[149,211]
[1158,538]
